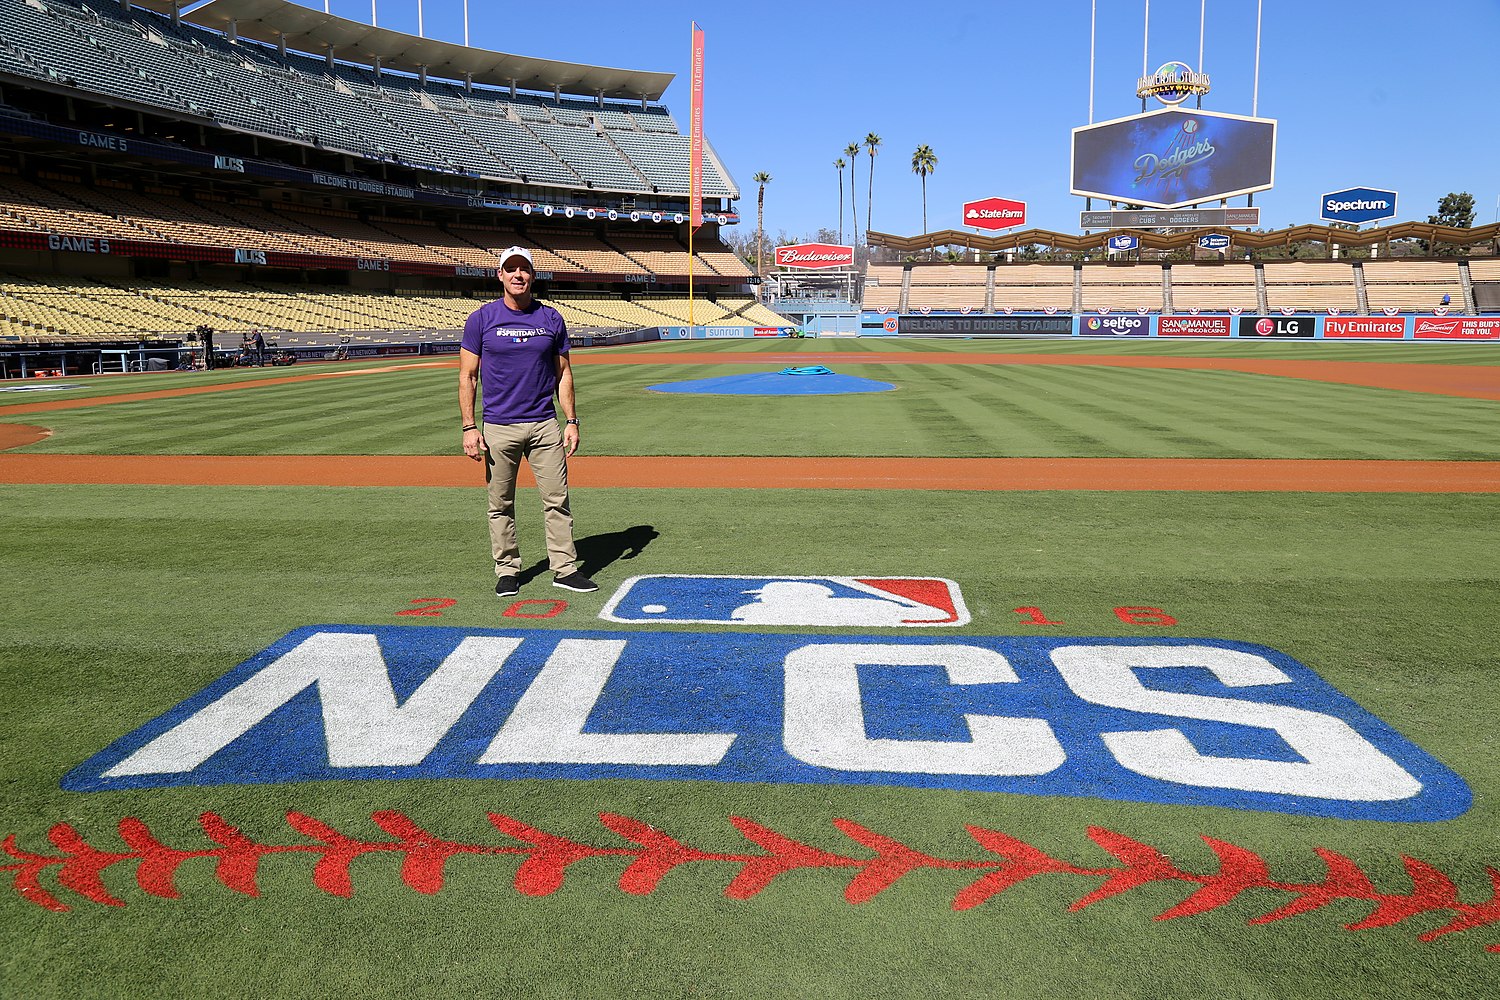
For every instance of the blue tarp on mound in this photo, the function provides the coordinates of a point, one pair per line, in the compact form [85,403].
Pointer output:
[790,382]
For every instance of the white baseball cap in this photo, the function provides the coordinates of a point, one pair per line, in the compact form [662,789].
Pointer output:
[517,252]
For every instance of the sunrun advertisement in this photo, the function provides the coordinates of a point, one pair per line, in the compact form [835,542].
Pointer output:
[1174,157]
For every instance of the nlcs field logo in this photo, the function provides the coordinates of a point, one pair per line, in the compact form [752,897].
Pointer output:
[860,602]
[1187,721]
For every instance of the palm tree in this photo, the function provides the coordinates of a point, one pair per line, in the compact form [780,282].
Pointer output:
[839,165]
[762,179]
[852,151]
[923,162]
[872,143]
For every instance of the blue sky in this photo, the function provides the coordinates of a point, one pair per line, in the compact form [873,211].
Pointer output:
[995,88]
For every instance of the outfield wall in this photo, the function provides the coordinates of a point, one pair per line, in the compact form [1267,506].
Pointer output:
[723,332]
[1283,326]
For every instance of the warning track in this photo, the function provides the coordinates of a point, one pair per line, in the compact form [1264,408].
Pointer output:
[1104,474]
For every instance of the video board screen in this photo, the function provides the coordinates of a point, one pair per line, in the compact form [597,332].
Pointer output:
[1174,157]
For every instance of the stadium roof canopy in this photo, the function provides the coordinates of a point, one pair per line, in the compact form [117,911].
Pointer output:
[312,31]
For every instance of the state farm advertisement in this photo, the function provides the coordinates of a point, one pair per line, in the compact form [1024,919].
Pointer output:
[994,213]
[814,255]
[1456,328]
[1365,327]
[1193,326]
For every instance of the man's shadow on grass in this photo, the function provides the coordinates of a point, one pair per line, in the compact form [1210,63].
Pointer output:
[598,552]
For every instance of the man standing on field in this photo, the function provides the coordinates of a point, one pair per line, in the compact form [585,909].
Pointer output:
[517,349]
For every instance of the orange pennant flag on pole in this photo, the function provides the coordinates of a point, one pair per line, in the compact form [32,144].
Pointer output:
[695,130]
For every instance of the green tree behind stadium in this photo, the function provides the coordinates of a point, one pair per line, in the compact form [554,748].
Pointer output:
[923,162]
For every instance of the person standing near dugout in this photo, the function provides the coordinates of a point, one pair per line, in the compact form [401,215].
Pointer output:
[517,349]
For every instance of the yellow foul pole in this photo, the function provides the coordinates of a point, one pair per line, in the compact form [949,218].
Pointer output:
[695,158]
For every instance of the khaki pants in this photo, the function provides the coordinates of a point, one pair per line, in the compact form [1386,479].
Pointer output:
[541,445]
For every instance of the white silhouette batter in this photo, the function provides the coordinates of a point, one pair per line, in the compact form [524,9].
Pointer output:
[791,603]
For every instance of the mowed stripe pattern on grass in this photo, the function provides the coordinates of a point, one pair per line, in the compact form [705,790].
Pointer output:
[955,411]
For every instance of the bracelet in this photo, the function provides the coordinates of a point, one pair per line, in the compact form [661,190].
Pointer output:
[472,427]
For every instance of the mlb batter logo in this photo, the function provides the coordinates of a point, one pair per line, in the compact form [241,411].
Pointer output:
[863,602]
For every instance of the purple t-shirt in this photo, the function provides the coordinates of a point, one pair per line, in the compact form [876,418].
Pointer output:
[517,360]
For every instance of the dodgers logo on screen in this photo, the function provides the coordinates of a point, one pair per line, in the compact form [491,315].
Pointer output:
[858,602]
[1186,721]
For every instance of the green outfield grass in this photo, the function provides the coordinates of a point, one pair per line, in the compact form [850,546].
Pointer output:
[936,411]
[126,600]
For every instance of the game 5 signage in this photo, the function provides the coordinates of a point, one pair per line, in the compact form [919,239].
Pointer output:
[1191,721]
[1278,326]
[1193,326]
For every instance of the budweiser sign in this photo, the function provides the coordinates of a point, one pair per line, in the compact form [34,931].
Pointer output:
[1456,328]
[994,213]
[814,255]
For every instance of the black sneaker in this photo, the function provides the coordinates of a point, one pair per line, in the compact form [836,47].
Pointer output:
[507,586]
[575,581]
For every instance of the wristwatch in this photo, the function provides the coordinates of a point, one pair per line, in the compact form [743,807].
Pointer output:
[573,421]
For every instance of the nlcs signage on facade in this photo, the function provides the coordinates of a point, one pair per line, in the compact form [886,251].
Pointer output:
[814,255]
[994,213]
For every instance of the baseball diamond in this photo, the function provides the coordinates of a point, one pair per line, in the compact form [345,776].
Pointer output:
[920,536]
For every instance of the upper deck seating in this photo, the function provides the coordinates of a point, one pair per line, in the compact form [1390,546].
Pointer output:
[139,56]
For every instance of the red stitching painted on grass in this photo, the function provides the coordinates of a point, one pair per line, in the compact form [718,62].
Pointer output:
[545,859]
